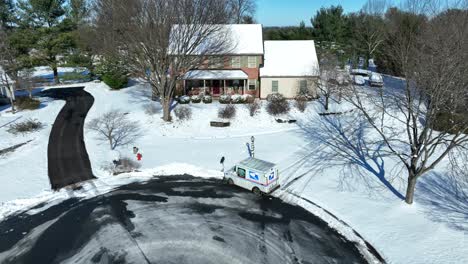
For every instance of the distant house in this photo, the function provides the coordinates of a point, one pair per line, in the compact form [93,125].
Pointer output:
[291,67]
[255,67]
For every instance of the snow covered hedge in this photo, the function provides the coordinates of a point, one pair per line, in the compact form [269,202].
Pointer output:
[184,99]
[196,99]
[225,99]
[237,99]
[207,99]
[277,104]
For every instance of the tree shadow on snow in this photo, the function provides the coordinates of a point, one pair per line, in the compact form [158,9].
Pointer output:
[344,141]
[444,200]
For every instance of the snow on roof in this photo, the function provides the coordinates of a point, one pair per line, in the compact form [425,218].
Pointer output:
[290,58]
[248,38]
[257,164]
[215,75]
[242,39]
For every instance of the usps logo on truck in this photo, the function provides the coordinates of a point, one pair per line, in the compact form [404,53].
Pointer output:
[253,176]
[272,176]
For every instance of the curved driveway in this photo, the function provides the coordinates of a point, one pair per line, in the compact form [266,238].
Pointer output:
[174,219]
[68,161]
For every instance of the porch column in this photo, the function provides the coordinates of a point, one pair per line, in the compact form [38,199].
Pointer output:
[224,89]
[204,86]
[245,85]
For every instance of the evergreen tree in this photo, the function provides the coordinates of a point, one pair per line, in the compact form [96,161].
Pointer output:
[52,30]
[330,24]
[6,13]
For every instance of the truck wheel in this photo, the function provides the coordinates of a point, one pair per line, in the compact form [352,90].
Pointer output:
[230,182]
[257,191]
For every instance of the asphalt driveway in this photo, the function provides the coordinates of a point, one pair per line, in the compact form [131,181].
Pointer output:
[68,161]
[173,219]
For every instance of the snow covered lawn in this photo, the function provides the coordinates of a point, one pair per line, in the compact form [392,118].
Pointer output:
[23,172]
[401,233]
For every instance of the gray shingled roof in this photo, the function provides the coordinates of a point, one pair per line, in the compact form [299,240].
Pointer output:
[257,164]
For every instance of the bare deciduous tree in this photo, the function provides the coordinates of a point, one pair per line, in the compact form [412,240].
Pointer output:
[376,7]
[242,10]
[115,128]
[368,28]
[26,81]
[332,80]
[434,60]
[8,66]
[161,39]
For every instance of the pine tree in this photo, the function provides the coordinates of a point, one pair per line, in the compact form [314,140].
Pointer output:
[51,28]
[330,24]
[6,11]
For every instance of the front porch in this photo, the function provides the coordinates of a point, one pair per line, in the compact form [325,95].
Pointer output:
[216,82]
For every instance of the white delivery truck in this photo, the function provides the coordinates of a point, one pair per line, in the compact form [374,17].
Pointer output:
[258,176]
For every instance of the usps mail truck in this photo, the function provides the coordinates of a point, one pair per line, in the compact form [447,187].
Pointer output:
[258,176]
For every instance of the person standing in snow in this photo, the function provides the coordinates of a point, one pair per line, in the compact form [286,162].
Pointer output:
[139,156]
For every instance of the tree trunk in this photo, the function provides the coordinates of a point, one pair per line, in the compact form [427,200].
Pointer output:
[56,77]
[166,104]
[326,103]
[12,102]
[411,188]
[111,142]
[12,99]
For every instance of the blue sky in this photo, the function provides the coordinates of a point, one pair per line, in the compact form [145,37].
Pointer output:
[292,12]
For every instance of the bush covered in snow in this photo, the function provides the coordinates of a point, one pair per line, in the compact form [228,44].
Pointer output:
[225,99]
[207,99]
[237,99]
[277,104]
[29,125]
[185,99]
[152,109]
[248,98]
[301,105]
[227,112]
[305,97]
[196,99]
[113,72]
[253,107]
[26,103]
[183,112]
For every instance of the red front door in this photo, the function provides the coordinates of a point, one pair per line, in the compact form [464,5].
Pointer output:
[215,90]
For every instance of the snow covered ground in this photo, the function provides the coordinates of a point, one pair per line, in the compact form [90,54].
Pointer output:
[354,194]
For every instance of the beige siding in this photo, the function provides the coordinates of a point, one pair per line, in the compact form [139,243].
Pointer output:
[287,86]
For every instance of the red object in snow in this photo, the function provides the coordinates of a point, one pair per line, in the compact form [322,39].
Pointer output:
[139,156]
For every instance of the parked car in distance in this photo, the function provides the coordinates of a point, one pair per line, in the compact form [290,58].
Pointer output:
[361,72]
[376,79]
[359,79]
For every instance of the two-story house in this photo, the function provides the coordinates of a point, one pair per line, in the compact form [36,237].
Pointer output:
[286,69]
[236,72]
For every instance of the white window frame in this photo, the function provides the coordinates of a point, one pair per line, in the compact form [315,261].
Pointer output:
[273,86]
[235,62]
[305,88]
[252,62]
[253,82]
